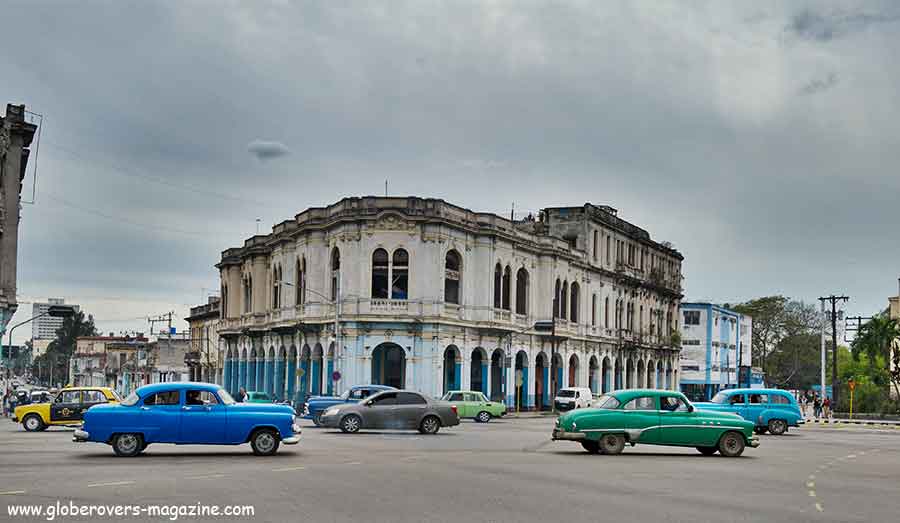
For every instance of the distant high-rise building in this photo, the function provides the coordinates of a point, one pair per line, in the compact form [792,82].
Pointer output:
[44,328]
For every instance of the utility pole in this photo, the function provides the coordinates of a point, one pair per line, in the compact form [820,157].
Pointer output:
[850,327]
[834,370]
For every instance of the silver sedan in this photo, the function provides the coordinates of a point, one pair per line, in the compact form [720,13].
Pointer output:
[393,409]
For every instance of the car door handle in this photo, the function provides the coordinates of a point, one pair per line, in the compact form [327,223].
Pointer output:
[145,408]
[185,407]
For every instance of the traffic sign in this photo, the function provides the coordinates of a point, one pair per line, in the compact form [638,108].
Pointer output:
[851,384]
[519,378]
[300,372]
[336,375]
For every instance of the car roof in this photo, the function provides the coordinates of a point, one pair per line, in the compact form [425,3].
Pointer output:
[625,395]
[174,385]
[377,387]
[755,391]
[463,391]
[83,388]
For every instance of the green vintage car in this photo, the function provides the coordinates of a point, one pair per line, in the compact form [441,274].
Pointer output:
[654,417]
[473,404]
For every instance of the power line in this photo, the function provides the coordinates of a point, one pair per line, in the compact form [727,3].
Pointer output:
[124,171]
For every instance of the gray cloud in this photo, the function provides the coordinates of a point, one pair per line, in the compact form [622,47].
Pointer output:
[685,118]
[824,27]
[264,150]
[817,85]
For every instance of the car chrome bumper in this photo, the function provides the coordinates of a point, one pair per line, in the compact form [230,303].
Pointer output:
[81,435]
[559,434]
[754,441]
[801,421]
[293,440]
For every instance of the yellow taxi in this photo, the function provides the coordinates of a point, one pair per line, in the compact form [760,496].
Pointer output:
[67,408]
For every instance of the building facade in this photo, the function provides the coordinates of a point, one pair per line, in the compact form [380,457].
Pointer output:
[16,135]
[204,358]
[421,294]
[119,362]
[44,328]
[715,345]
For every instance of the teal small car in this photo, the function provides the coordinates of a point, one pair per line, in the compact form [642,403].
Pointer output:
[770,410]
[258,397]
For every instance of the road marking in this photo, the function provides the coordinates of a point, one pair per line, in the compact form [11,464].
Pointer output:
[851,456]
[811,484]
[111,484]
[812,493]
[819,507]
[288,469]
[208,476]
[862,453]
[812,476]
[11,492]
[353,463]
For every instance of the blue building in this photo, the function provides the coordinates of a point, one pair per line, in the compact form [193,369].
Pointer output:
[715,342]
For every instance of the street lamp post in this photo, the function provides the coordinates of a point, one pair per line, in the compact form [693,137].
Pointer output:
[545,326]
[338,353]
[55,311]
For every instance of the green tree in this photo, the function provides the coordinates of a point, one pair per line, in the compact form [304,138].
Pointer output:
[879,337]
[55,360]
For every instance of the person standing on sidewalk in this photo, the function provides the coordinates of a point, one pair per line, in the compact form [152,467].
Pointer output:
[803,403]
[826,408]
[817,407]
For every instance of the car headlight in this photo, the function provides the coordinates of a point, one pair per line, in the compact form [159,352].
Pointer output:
[557,422]
[574,426]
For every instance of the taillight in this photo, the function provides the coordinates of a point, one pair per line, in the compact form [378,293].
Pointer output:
[453,408]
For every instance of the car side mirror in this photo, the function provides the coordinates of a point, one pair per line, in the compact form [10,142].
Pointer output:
[368,404]
[690,408]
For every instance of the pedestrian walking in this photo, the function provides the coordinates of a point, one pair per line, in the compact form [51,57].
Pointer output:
[804,403]
[6,405]
[826,408]
[817,407]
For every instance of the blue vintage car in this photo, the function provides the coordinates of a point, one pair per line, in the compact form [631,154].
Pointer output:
[188,413]
[772,410]
[316,405]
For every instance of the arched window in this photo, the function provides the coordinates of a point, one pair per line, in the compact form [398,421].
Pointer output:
[563,300]
[451,277]
[248,293]
[276,287]
[400,275]
[556,299]
[335,272]
[606,312]
[380,272]
[594,310]
[300,282]
[522,291]
[498,286]
[573,313]
[507,276]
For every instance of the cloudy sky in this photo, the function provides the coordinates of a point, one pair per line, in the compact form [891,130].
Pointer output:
[761,138]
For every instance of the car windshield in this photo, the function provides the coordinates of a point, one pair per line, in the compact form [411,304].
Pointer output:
[481,397]
[224,396]
[130,400]
[345,395]
[720,398]
[566,393]
[116,395]
[606,402]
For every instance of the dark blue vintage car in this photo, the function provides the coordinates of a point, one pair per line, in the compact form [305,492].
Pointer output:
[316,405]
[188,413]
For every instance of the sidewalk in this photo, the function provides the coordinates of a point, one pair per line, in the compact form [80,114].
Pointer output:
[835,421]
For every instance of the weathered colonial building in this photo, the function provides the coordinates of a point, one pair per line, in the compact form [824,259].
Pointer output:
[422,294]
[204,359]
[15,138]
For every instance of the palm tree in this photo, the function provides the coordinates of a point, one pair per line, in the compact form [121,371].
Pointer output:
[880,336]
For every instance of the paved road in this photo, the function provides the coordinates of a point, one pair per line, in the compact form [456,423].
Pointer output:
[504,471]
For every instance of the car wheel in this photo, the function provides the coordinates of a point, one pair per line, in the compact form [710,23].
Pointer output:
[127,444]
[317,419]
[483,417]
[430,425]
[33,423]
[593,447]
[612,444]
[264,442]
[760,430]
[351,424]
[777,426]
[707,451]
[731,444]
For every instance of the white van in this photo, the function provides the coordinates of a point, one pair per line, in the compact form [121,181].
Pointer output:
[569,398]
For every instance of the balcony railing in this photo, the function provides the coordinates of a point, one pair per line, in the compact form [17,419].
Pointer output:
[501,315]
